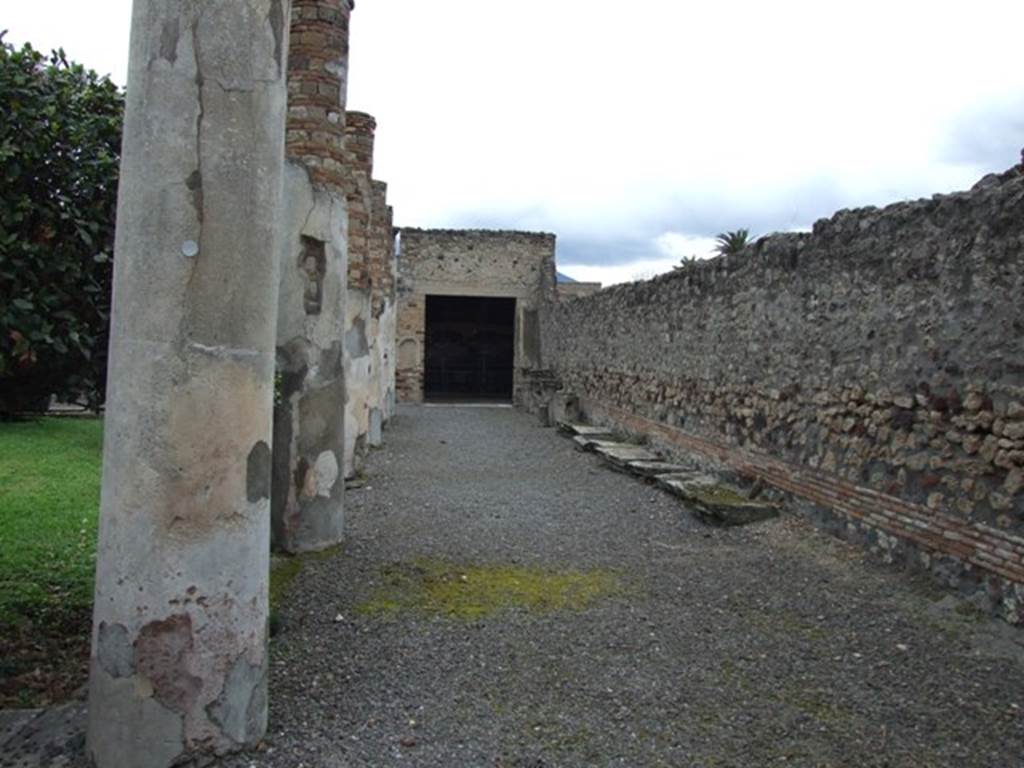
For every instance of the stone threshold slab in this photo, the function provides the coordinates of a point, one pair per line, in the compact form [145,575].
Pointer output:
[713,502]
[620,454]
[591,444]
[584,430]
[654,468]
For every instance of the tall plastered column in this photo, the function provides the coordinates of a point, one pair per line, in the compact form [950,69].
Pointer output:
[309,413]
[179,653]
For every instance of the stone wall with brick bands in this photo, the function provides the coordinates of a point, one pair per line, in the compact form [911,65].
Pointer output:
[317,86]
[874,365]
[983,551]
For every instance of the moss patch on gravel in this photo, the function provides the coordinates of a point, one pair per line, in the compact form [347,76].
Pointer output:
[472,591]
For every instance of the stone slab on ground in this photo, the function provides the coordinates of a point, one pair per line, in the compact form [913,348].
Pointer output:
[620,454]
[590,444]
[12,721]
[54,738]
[645,468]
[586,430]
[714,502]
[676,482]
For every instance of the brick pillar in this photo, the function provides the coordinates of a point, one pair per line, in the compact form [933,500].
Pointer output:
[318,87]
[359,136]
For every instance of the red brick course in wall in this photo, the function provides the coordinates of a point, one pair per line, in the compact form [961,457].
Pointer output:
[996,557]
[359,137]
[360,130]
[317,79]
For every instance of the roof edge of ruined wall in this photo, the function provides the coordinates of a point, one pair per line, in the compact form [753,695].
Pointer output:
[899,242]
[478,233]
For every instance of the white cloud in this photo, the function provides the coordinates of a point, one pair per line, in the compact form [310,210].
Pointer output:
[611,122]
[682,246]
[94,34]
[642,269]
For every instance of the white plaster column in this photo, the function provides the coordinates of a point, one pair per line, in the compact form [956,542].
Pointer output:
[179,653]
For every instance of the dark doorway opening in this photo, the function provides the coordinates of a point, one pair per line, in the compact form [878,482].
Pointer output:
[470,348]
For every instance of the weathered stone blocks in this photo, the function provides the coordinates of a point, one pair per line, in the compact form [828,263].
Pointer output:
[882,351]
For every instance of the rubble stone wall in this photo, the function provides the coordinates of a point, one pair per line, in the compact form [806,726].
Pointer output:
[874,367]
[576,290]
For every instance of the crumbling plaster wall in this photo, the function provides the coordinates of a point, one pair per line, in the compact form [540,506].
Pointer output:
[874,367]
[358,363]
[310,388]
[444,262]
[309,412]
[383,314]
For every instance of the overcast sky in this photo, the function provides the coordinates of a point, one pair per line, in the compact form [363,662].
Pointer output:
[636,130]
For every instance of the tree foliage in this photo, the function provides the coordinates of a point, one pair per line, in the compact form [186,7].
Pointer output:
[60,136]
[731,243]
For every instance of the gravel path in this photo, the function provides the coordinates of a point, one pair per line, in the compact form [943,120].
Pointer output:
[767,645]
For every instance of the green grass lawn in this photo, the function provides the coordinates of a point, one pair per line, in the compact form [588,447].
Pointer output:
[49,505]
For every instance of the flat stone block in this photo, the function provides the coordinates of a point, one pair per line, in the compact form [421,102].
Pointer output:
[676,483]
[585,430]
[645,468]
[713,502]
[590,444]
[620,454]
[53,737]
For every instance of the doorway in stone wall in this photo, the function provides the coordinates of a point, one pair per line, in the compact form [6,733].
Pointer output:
[470,348]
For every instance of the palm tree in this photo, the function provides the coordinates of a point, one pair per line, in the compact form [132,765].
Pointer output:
[731,243]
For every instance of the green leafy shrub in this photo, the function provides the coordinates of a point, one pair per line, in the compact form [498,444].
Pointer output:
[60,136]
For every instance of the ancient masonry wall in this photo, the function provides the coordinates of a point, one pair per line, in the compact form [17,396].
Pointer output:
[307,489]
[370,275]
[445,262]
[383,314]
[874,368]
[577,290]
[317,87]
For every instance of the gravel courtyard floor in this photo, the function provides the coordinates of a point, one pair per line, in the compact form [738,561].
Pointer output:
[612,629]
